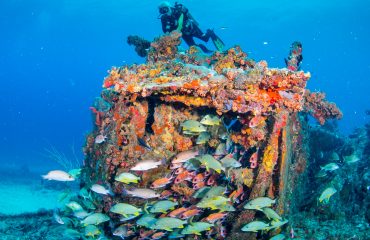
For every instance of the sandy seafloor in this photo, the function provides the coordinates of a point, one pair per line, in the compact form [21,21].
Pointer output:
[26,205]
[24,191]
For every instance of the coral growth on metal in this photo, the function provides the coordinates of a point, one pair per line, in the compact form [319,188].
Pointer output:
[193,129]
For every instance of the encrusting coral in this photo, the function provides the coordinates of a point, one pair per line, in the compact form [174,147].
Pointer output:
[219,106]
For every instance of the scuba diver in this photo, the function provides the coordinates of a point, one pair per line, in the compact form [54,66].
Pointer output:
[178,18]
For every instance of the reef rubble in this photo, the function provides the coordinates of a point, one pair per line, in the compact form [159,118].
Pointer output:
[238,119]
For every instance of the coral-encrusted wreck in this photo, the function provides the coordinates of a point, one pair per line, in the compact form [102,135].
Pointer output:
[141,115]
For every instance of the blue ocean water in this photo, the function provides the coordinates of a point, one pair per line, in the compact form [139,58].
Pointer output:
[55,54]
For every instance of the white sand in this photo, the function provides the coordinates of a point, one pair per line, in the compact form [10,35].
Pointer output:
[26,196]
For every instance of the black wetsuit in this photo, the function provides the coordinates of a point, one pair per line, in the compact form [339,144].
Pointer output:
[190,28]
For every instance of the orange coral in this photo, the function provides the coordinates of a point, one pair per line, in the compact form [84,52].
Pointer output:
[192,85]
[112,78]
[321,109]
[160,80]
[138,118]
[182,143]
[188,100]
[154,72]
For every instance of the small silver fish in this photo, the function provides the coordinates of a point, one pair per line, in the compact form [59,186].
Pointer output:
[146,165]
[100,189]
[58,175]
[143,193]
[185,156]
[100,139]
[121,231]
[57,218]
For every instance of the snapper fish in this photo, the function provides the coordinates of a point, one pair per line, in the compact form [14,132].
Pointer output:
[95,219]
[271,214]
[330,167]
[351,159]
[255,226]
[211,120]
[276,224]
[228,207]
[203,138]
[127,178]
[168,223]
[259,203]
[213,202]
[58,175]
[210,162]
[92,231]
[200,193]
[145,165]
[326,194]
[197,227]
[147,220]
[125,209]
[214,192]
[163,206]
[229,162]
[81,214]
[74,206]
[193,126]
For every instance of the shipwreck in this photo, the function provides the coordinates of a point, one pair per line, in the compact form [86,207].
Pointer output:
[240,120]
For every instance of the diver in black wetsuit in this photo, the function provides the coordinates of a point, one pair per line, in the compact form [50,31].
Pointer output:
[179,18]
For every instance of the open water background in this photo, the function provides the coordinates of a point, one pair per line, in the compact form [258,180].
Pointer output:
[55,54]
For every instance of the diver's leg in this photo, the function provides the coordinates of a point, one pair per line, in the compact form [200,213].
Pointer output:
[199,34]
[190,42]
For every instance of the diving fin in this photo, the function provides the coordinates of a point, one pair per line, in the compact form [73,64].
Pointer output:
[219,44]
